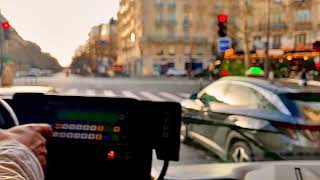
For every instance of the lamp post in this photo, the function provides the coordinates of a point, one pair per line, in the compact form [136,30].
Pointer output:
[267,59]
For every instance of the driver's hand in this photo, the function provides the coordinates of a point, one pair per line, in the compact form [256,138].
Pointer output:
[34,137]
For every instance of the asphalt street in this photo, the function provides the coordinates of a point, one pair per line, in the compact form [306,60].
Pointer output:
[154,89]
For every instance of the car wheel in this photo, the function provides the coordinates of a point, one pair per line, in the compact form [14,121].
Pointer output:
[184,133]
[240,152]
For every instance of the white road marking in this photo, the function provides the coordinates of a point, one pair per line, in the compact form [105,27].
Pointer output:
[59,90]
[129,94]
[171,96]
[109,93]
[90,92]
[184,95]
[151,96]
[72,91]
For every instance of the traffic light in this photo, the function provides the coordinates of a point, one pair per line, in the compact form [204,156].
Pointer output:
[7,59]
[222,25]
[5,25]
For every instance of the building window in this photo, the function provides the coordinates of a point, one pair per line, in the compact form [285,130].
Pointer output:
[186,8]
[303,16]
[186,21]
[163,32]
[250,21]
[300,39]
[200,51]
[276,18]
[172,50]
[172,4]
[159,3]
[276,42]
[171,31]
[159,51]
[187,50]
[172,18]
[159,19]
[277,1]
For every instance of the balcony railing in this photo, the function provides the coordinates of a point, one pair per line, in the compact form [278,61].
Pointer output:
[273,26]
[172,21]
[302,26]
[159,3]
[172,4]
[159,20]
[279,26]
[172,38]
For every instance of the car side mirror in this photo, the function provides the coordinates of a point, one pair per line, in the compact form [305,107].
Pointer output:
[194,96]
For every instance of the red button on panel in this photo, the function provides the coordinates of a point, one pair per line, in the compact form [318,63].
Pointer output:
[111,155]
[116,129]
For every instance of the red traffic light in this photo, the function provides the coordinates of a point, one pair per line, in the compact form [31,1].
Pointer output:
[222,18]
[5,25]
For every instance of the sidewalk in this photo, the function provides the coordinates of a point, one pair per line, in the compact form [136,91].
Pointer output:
[298,81]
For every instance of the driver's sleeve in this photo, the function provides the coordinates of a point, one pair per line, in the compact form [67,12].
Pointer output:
[17,162]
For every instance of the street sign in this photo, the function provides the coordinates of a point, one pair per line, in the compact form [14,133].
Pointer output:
[103,42]
[223,44]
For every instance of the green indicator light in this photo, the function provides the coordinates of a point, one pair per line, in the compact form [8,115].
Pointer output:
[108,129]
[115,138]
[7,59]
[88,116]
[256,71]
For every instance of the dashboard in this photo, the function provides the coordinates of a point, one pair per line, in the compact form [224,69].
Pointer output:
[97,137]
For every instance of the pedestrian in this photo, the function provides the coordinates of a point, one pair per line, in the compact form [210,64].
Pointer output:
[304,77]
[7,75]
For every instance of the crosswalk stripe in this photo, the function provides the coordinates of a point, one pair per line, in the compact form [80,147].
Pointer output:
[129,94]
[184,95]
[109,93]
[72,91]
[59,90]
[171,96]
[90,92]
[151,96]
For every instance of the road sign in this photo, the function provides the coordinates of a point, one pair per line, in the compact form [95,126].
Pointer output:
[223,44]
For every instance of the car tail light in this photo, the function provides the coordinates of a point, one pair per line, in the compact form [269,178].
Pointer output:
[291,130]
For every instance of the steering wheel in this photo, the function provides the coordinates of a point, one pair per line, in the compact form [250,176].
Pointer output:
[12,115]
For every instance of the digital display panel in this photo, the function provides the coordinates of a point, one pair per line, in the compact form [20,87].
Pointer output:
[89,117]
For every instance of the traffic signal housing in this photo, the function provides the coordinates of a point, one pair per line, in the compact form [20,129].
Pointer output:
[5,26]
[222,25]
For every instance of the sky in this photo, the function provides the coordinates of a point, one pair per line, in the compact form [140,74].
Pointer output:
[57,26]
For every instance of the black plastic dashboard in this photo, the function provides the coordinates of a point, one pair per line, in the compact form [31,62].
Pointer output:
[102,138]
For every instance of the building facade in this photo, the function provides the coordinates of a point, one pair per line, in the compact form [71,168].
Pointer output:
[155,35]
[99,53]
[294,24]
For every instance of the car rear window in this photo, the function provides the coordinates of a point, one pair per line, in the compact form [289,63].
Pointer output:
[308,104]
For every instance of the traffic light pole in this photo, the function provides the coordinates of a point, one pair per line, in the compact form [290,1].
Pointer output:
[244,8]
[267,59]
[3,47]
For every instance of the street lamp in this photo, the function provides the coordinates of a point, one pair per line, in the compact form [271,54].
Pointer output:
[267,60]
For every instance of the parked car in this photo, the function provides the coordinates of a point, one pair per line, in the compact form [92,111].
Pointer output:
[246,119]
[174,72]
